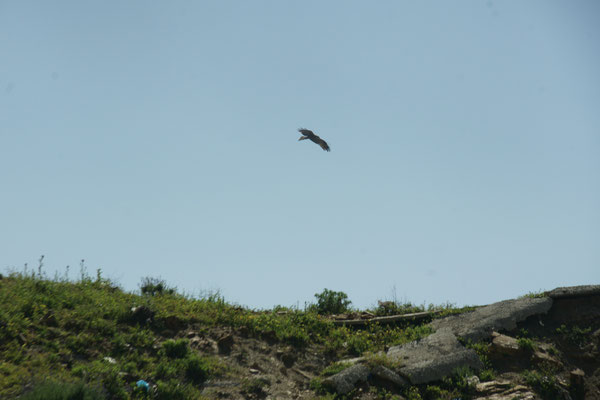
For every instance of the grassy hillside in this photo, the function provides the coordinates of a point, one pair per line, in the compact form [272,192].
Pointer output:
[101,340]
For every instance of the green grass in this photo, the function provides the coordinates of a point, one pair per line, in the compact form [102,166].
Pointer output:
[90,332]
[526,344]
[575,334]
[62,391]
[544,383]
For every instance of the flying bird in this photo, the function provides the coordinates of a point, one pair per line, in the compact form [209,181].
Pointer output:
[307,134]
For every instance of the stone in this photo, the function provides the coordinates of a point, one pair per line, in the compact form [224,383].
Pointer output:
[440,343]
[504,315]
[436,369]
[141,315]
[575,309]
[502,390]
[386,377]
[345,381]
[225,343]
[473,381]
[433,357]
[288,358]
[173,323]
[577,383]
[492,386]
[504,346]
[540,357]
[574,291]
[204,344]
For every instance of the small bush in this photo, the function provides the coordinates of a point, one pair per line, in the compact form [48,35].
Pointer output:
[413,394]
[335,368]
[487,375]
[62,391]
[196,369]
[175,348]
[154,286]
[172,390]
[526,344]
[165,370]
[254,387]
[575,335]
[331,302]
[544,383]
[395,308]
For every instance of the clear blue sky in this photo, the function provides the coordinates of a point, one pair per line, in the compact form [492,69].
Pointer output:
[159,139]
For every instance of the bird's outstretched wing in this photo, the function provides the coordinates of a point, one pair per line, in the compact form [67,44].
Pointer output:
[306,132]
[316,139]
[321,143]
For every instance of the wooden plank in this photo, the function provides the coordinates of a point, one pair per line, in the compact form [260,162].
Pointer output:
[388,319]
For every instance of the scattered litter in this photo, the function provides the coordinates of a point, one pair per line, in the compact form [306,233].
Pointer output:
[143,385]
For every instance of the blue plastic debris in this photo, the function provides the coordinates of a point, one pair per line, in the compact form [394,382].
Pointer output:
[143,384]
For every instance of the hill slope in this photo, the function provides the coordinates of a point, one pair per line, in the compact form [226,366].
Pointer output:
[93,334]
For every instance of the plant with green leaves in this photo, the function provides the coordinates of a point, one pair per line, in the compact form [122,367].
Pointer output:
[331,302]
[63,391]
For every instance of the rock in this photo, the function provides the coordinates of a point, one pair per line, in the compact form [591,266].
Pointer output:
[225,343]
[492,386]
[440,367]
[345,381]
[577,383]
[502,390]
[173,323]
[287,357]
[570,308]
[385,377]
[206,345]
[574,291]
[473,381]
[504,346]
[479,324]
[141,315]
[434,357]
[539,357]
[440,343]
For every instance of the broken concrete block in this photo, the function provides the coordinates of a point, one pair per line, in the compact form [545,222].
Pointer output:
[345,381]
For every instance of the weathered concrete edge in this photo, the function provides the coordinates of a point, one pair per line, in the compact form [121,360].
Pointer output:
[574,291]
[422,372]
[345,381]
[444,366]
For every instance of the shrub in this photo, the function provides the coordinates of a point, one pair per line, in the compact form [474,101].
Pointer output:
[175,348]
[544,383]
[331,302]
[154,286]
[526,344]
[487,375]
[172,390]
[62,391]
[254,387]
[575,335]
[196,369]
[335,368]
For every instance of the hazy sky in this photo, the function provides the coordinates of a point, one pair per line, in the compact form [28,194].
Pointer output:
[159,139]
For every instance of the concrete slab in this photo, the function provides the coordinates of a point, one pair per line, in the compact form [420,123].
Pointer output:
[504,315]
[574,291]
